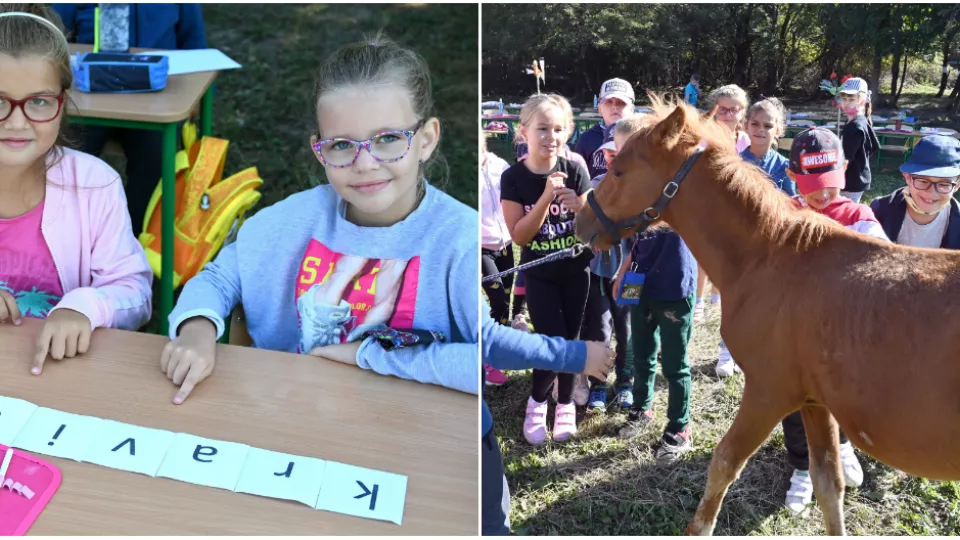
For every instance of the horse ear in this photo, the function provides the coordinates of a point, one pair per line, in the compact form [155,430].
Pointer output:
[668,131]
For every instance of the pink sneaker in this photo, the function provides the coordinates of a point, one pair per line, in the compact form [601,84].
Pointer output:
[564,422]
[535,424]
[495,377]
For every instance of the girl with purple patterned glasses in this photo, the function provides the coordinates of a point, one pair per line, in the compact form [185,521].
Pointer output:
[376,269]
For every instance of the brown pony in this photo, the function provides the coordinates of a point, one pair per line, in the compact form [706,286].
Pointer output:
[849,329]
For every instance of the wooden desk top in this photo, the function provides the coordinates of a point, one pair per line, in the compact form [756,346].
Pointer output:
[172,104]
[276,401]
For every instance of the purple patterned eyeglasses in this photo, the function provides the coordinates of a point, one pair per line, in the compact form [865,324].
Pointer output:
[386,147]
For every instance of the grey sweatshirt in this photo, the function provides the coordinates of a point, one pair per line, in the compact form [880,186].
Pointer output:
[421,273]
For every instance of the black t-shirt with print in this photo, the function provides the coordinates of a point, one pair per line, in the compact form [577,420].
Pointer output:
[520,185]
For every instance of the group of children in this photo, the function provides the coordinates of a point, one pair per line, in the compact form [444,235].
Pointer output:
[338,271]
[539,197]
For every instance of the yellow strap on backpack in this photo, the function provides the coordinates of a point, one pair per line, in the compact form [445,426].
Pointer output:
[207,208]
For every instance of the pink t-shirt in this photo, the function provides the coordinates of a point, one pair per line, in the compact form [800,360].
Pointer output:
[27,270]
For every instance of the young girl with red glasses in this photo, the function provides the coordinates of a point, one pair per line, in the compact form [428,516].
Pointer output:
[378,268]
[67,250]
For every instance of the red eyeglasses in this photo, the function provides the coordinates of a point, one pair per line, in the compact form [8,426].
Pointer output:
[40,108]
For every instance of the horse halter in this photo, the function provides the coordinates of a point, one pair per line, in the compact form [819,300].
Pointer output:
[652,213]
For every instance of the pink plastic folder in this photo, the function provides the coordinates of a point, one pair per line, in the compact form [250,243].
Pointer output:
[17,512]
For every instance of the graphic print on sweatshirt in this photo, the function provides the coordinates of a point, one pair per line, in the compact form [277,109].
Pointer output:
[557,230]
[338,294]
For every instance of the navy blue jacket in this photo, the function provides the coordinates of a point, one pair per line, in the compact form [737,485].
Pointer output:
[152,26]
[891,210]
[671,270]
[587,146]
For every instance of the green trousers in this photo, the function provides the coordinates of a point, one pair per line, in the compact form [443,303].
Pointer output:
[666,325]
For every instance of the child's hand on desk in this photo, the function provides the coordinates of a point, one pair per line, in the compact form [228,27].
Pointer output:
[190,358]
[9,310]
[345,352]
[64,334]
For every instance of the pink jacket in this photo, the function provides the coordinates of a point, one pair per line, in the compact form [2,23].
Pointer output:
[103,269]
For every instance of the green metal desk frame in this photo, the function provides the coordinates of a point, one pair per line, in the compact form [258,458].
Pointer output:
[169,131]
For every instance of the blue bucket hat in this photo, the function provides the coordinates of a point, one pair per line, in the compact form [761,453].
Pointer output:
[936,155]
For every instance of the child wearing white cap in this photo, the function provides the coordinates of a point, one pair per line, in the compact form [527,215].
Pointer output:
[616,102]
[859,140]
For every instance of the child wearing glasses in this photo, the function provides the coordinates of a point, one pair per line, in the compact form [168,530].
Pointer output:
[67,250]
[378,268]
[925,212]
[731,105]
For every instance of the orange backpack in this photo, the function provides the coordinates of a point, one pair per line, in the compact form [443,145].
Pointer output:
[208,211]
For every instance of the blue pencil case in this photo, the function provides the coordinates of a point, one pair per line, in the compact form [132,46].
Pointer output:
[120,73]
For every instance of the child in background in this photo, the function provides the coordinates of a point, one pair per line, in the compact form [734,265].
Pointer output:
[859,140]
[604,318]
[541,196]
[150,26]
[819,178]
[330,270]
[691,94]
[67,253]
[662,319]
[925,212]
[766,122]
[616,102]
[496,250]
[509,349]
[731,104]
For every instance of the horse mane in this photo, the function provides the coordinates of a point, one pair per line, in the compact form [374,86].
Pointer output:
[778,218]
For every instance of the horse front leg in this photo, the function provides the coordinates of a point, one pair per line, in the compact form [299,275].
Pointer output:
[756,419]
[826,469]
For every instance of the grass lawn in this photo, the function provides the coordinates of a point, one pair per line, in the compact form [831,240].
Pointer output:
[599,484]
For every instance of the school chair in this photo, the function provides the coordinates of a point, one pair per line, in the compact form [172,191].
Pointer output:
[898,145]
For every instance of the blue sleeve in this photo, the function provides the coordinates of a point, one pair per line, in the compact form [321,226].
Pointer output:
[508,348]
[190,30]
[68,14]
[453,365]
[688,95]
[786,184]
[213,293]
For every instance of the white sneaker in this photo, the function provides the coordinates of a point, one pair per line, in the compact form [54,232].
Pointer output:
[800,494]
[852,471]
[725,364]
